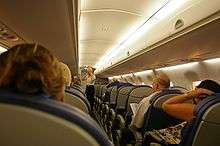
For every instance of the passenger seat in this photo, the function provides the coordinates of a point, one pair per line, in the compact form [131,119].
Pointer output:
[40,121]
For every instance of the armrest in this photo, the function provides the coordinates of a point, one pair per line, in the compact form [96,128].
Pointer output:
[155,137]
[149,136]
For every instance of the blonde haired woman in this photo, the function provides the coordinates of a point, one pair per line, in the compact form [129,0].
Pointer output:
[31,69]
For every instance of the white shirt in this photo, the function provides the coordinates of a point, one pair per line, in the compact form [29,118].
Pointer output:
[138,118]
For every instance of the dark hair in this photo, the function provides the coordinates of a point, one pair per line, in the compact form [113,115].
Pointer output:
[210,85]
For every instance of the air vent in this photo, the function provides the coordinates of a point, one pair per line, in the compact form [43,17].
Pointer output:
[128,53]
[179,23]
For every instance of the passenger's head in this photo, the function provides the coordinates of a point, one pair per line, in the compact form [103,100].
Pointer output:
[160,82]
[209,85]
[66,74]
[90,70]
[31,69]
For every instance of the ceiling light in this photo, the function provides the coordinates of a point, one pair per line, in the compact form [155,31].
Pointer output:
[110,78]
[2,49]
[181,66]
[212,60]
[143,72]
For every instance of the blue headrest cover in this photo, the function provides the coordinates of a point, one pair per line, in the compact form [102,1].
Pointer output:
[45,104]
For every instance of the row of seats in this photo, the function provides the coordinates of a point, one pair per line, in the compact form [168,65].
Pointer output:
[112,110]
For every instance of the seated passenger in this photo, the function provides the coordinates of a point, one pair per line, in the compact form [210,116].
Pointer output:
[180,109]
[75,81]
[31,69]
[160,82]
[177,107]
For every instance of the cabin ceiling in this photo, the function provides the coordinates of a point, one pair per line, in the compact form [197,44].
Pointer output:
[52,23]
[200,44]
[103,23]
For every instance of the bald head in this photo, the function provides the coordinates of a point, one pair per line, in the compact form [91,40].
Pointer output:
[161,81]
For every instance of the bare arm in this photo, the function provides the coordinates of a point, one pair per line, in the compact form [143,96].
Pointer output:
[184,111]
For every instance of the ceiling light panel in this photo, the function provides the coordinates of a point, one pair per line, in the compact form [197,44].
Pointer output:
[133,33]
[181,66]
[215,60]
[145,35]
[2,49]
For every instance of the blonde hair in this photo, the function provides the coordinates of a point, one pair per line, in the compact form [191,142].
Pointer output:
[31,69]
[66,74]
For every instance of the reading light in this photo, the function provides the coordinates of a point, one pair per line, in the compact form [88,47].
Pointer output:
[178,66]
[168,8]
[2,49]
[215,60]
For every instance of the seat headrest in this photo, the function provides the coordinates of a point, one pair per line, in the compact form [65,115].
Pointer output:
[164,92]
[78,94]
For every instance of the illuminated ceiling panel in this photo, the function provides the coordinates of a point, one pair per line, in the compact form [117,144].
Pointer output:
[105,24]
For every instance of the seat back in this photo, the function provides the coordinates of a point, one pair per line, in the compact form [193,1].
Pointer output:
[104,89]
[123,95]
[106,97]
[75,91]
[77,99]
[113,95]
[137,94]
[97,88]
[77,87]
[155,113]
[204,129]
[38,120]
[100,91]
